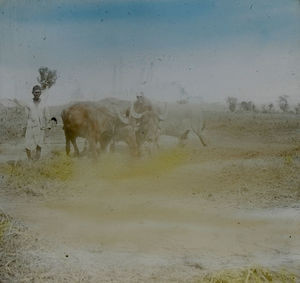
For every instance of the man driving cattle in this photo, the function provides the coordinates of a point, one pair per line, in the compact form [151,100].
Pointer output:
[142,103]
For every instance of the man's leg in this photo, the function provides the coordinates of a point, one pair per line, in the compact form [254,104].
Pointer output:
[28,152]
[38,152]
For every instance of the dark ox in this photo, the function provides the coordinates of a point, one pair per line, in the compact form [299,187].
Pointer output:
[140,115]
[98,125]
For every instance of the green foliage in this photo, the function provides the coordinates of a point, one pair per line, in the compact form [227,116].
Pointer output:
[3,225]
[47,77]
[283,103]
[56,167]
[232,103]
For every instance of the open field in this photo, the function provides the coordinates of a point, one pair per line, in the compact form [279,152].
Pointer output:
[230,210]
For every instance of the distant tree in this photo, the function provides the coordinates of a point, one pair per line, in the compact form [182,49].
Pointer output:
[244,106]
[182,101]
[264,108]
[270,107]
[283,103]
[232,103]
[297,108]
[247,106]
[47,77]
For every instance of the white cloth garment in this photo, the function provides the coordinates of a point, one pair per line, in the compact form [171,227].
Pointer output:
[38,121]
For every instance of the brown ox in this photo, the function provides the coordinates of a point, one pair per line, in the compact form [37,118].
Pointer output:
[96,124]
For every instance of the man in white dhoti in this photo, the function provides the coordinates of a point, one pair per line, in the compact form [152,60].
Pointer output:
[38,121]
[36,124]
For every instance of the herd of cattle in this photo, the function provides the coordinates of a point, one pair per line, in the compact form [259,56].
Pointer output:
[108,121]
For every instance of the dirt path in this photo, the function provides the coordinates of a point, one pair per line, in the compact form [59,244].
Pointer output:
[166,218]
[213,236]
[170,217]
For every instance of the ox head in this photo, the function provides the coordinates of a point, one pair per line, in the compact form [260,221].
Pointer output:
[123,119]
[128,119]
[149,128]
[145,124]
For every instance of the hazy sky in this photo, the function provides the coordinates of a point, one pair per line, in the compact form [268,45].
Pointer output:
[167,48]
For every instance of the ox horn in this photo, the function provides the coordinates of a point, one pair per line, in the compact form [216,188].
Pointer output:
[121,117]
[134,114]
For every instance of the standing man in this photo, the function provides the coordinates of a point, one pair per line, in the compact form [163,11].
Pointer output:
[38,121]
[142,103]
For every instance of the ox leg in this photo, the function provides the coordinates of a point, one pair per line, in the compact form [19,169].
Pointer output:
[76,150]
[201,139]
[157,147]
[156,143]
[139,148]
[149,147]
[112,147]
[92,145]
[157,139]
[183,138]
[132,145]
[106,143]
[68,145]
[85,148]
[28,152]
[103,145]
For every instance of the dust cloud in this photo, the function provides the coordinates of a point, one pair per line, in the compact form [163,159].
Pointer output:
[179,214]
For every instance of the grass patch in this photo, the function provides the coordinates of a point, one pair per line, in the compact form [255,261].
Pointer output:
[56,167]
[4,222]
[249,275]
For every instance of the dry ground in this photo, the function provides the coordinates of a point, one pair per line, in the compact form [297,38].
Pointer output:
[177,216]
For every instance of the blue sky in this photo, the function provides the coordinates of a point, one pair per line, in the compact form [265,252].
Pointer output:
[249,49]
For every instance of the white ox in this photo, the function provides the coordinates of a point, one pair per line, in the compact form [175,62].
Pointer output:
[184,120]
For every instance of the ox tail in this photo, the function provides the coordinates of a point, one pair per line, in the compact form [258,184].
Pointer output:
[64,117]
[67,135]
